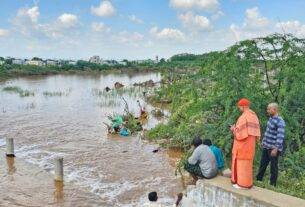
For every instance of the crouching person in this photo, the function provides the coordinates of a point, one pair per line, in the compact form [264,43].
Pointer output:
[202,162]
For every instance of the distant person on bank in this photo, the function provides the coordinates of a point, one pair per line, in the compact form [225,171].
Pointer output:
[217,153]
[272,144]
[202,162]
[246,131]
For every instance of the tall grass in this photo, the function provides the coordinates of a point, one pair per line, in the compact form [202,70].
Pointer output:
[18,90]
[135,92]
[57,93]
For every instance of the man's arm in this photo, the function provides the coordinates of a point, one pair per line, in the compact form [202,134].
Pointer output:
[194,158]
[280,134]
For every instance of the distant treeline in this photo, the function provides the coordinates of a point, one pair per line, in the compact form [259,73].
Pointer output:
[8,69]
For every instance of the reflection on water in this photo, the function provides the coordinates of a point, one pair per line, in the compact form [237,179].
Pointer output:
[11,169]
[119,170]
[59,191]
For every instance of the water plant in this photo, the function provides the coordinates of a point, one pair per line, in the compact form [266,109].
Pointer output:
[57,93]
[18,90]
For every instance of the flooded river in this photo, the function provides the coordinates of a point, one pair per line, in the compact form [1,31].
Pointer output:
[63,115]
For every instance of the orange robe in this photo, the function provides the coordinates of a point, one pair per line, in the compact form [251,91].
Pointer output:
[247,130]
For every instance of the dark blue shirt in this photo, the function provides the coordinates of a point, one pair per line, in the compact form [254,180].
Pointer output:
[275,133]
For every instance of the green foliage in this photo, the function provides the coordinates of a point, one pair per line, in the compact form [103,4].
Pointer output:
[18,90]
[270,69]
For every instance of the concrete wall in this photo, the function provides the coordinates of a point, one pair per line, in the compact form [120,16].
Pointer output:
[219,192]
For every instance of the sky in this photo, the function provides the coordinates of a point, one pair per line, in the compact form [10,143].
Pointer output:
[139,29]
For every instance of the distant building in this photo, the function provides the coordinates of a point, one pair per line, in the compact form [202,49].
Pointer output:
[50,62]
[2,62]
[72,62]
[35,62]
[109,62]
[148,61]
[95,59]
[122,63]
[18,61]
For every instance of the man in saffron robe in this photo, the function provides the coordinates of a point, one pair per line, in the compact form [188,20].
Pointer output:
[246,131]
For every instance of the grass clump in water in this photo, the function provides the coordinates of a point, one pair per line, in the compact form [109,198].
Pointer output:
[18,90]
[56,93]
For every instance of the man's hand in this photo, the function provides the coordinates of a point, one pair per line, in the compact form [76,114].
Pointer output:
[273,152]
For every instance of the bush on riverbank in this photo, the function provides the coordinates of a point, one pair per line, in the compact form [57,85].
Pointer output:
[270,69]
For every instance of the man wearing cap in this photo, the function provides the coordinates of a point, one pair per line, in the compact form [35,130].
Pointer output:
[246,131]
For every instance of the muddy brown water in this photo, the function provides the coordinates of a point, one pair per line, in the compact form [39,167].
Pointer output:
[64,118]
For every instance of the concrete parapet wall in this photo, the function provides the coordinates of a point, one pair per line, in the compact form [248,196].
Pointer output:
[218,192]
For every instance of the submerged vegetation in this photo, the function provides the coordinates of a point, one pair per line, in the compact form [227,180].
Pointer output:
[269,69]
[57,93]
[18,90]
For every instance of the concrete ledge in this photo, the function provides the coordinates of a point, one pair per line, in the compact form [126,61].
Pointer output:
[218,192]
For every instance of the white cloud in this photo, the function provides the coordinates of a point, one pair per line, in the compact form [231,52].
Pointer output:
[26,21]
[105,9]
[31,13]
[217,15]
[295,27]
[254,25]
[135,19]
[168,34]
[132,38]
[195,4]
[236,31]
[68,20]
[194,22]
[3,32]
[254,20]
[99,27]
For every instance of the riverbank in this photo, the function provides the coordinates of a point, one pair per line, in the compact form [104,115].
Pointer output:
[204,102]
[44,71]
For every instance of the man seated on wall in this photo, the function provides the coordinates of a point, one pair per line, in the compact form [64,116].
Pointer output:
[217,153]
[202,162]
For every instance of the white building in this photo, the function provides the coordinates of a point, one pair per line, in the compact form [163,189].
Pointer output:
[95,59]
[72,62]
[35,62]
[18,61]
[51,62]
[122,63]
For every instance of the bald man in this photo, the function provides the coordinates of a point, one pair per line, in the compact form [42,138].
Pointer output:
[272,144]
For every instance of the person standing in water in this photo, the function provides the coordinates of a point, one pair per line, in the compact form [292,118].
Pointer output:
[246,131]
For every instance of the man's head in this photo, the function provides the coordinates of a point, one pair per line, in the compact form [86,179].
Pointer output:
[197,141]
[152,196]
[243,104]
[207,142]
[273,109]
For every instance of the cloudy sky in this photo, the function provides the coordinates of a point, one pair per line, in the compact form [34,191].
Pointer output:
[138,29]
